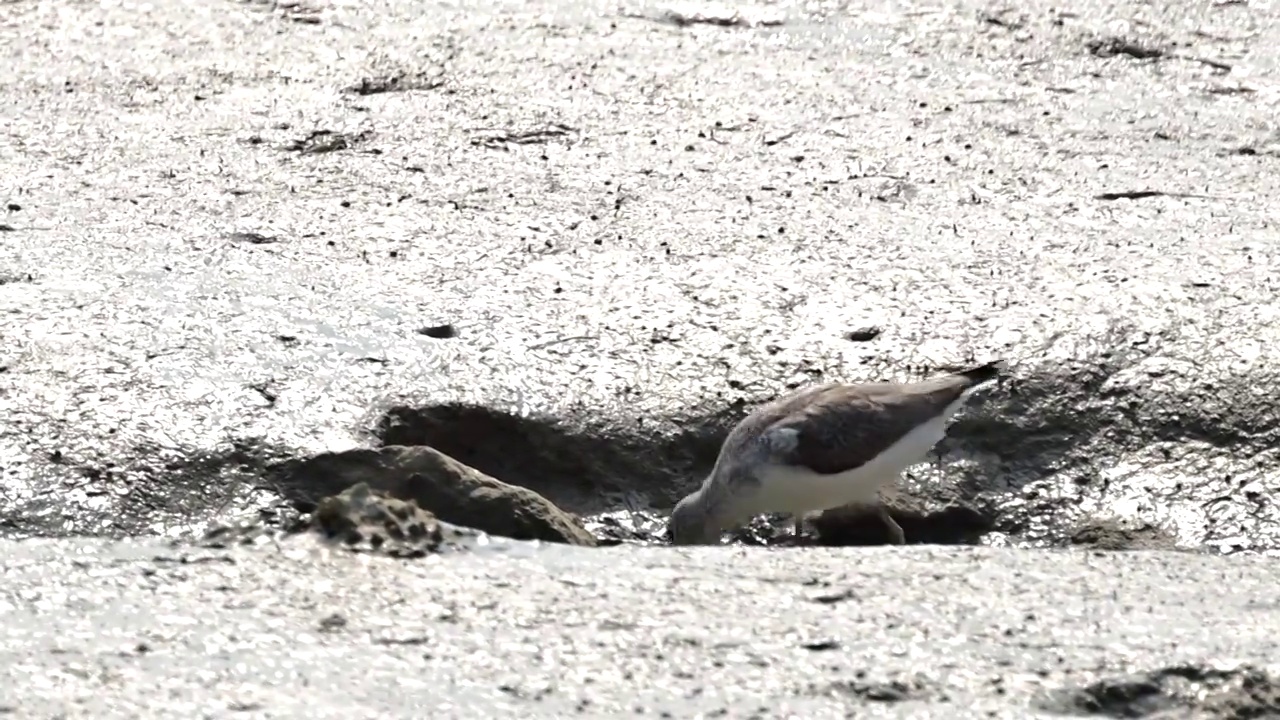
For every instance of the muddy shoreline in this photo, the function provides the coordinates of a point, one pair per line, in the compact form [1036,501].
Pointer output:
[252,253]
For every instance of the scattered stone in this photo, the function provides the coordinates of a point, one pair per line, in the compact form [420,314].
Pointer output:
[890,691]
[833,598]
[299,11]
[821,645]
[703,13]
[396,82]
[6,277]
[536,136]
[451,491]
[1004,18]
[1107,47]
[332,623]
[252,238]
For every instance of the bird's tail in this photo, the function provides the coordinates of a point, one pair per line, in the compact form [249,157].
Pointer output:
[982,373]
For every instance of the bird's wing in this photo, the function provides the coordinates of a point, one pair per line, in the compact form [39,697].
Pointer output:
[845,427]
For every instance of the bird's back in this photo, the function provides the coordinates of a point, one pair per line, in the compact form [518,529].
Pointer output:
[830,419]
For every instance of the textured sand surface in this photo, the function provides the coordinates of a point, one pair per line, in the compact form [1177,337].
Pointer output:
[295,630]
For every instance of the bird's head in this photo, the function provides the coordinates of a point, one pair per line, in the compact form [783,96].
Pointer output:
[693,522]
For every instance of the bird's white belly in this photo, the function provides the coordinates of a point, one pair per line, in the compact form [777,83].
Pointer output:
[791,489]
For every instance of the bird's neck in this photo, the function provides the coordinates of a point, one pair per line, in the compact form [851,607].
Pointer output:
[716,498]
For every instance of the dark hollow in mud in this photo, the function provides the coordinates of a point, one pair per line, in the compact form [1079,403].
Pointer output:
[988,475]
[583,467]
[623,481]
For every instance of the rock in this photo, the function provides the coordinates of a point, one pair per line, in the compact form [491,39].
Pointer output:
[448,489]
[359,518]
[703,13]
[360,515]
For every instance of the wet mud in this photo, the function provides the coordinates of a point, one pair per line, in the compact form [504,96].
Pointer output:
[233,263]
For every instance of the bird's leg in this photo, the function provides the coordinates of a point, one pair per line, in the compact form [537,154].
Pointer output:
[896,536]
[795,527]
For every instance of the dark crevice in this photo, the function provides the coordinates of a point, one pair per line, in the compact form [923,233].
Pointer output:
[1030,426]
[578,464]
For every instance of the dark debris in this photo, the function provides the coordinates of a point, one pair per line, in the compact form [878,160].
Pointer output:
[499,140]
[1112,46]
[327,141]
[681,19]
[397,82]
[252,238]
[439,332]
[889,691]
[863,334]
[6,278]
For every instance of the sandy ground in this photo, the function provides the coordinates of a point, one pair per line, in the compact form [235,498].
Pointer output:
[138,629]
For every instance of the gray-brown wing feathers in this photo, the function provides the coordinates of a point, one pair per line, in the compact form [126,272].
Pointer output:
[834,428]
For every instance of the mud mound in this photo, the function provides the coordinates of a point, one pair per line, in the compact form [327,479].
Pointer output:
[1182,691]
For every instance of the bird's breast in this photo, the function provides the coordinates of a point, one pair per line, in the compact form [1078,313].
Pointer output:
[796,489]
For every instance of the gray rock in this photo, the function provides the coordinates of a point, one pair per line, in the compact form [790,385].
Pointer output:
[363,520]
[437,483]
[358,515]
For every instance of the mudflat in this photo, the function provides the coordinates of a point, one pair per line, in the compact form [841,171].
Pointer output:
[569,244]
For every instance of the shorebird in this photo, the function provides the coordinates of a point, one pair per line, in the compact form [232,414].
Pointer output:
[823,447]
